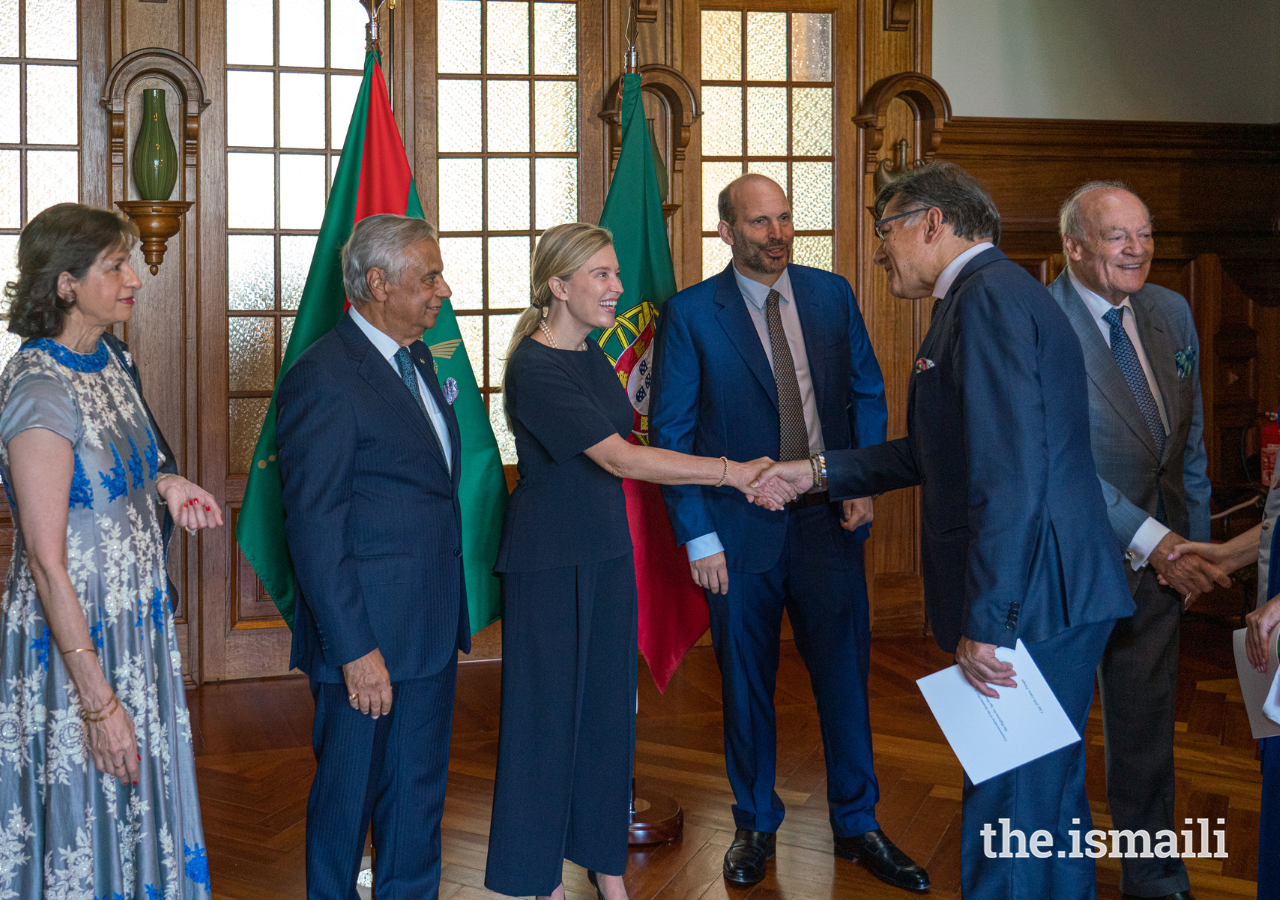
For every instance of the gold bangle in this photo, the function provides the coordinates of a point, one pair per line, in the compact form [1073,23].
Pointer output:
[106,712]
[79,650]
[725,476]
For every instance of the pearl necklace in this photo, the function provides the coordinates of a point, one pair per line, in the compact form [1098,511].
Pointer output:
[552,341]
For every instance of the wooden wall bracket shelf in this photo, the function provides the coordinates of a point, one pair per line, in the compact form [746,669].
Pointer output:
[157,221]
[898,14]
[929,106]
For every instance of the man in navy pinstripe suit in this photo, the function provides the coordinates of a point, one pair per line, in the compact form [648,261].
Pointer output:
[369,454]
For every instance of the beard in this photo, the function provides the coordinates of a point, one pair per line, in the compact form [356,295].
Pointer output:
[750,255]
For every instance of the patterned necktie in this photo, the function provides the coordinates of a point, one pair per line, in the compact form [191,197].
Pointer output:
[1131,368]
[410,378]
[794,433]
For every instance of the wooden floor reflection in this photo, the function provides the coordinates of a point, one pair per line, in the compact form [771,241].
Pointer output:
[255,766]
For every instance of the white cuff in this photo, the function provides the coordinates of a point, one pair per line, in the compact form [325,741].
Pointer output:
[700,547]
[1144,542]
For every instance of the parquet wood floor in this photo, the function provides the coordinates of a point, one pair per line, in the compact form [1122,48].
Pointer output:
[255,766]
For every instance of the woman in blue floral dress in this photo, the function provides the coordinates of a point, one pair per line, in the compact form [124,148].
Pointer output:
[97,775]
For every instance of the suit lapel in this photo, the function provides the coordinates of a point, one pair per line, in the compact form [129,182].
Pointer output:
[1102,367]
[807,303]
[736,322]
[1158,344]
[426,367]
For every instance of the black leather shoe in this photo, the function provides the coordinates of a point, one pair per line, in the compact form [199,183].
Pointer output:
[595,883]
[884,859]
[745,859]
[1181,895]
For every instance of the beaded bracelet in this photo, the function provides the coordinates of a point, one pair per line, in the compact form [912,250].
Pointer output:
[725,476]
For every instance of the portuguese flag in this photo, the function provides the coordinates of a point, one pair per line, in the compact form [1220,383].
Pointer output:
[673,612]
[373,177]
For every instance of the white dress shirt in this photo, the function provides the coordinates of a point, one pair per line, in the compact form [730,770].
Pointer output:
[756,294]
[952,269]
[388,347]
[1151,532]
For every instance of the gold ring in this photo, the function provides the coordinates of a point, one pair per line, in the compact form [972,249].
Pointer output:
[352,696]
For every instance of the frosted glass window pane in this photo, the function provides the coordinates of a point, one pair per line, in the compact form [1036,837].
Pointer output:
[52,177]
[343,91]
[347,26]
[10,196]
[301,191]
[460,119]
[500,329]
[555,39]
[766,46]
[51,105]
[556,117]
[501,431]
[251,353]
[286,332]
[251,271]
[766,121]
[715,256]
[813,250]
[811,195]
[246,425]
[250,33]
[721,121]
[715,175]
[774,169]
[464,272]
[508,115]
[458,43]
[8,259]
[251,190]
[508,274]
[508,185]
[557,192]
[721,45]
[811,121]
[811,46]
[250,109]
[461,195]
[302,23]
[51,29]
[8,27]
[296,251]
[9,108]
[472,330]
[301,110]
[507,38]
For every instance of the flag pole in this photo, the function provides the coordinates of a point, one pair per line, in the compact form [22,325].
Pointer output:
[372,42]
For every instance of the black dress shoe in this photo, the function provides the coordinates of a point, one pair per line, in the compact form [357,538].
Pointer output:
[745,859]
[1181,895]
[595,883]
[884,859]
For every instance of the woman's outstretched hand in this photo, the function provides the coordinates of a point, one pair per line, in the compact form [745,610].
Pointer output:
[743,476]
[789,479]
[191,505]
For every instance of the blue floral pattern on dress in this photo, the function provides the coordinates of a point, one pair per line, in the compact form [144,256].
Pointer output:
[135,465]
[116,485]
[152,455]
[81,487]
[41,646]
[79,362]
[197,867]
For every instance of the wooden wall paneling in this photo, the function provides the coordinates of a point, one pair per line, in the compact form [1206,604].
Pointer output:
[426,173]
[151,24]
[689,270]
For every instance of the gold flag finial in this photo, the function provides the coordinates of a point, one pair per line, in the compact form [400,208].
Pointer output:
[371,29]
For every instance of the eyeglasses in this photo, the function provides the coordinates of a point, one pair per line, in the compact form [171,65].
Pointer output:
[877,225]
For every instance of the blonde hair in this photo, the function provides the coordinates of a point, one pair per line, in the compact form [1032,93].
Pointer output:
[560,252]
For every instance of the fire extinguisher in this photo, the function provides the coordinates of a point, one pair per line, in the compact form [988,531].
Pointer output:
[1269,441]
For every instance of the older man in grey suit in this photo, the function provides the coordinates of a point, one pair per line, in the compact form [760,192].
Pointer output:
[1147,428]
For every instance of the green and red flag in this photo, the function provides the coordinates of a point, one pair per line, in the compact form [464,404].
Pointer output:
[673,612]
[373,177]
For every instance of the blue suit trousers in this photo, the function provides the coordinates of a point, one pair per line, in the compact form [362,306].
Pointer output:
[820,581]
[392,770]
[1269,822]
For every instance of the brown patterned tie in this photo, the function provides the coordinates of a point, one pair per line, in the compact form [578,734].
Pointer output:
[794,443]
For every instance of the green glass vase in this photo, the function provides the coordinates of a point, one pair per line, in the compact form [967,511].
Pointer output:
[155,159]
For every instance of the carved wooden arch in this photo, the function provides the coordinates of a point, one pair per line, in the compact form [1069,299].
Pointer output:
[929,105]
[677,95]
[170,65]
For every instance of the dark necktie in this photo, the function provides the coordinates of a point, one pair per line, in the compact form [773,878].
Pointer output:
[794,434]
[1127,359]
[410,378]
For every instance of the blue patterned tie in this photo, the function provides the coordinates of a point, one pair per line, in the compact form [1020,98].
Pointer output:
[1131,368]
[410,378]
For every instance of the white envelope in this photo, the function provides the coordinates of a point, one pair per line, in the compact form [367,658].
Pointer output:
[1255,686]
[988,736]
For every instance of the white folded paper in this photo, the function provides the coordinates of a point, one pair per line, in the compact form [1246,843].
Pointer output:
[1256,687]
[992,736]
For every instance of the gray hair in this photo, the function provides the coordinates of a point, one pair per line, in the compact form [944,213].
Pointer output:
[966,206]
[1071,221]
[379,242]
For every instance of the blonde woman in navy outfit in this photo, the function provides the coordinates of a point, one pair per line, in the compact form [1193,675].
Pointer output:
[568,580]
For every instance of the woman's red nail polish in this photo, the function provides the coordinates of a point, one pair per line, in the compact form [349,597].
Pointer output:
[206,508]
